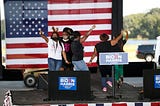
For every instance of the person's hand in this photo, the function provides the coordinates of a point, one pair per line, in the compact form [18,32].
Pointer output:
[55,29]
[93,27]
[90,61]
[40,32]
[68,62]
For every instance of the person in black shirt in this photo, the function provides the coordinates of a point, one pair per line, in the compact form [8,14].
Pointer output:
[104,46]
[77,50]
[66,40]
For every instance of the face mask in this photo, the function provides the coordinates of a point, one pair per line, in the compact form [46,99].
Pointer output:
[65,37]
[54,38]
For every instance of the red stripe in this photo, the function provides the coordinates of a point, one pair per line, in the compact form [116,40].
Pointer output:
[155,103]
[94,32]
[79,22]
[75,1]
[34,56]
[90,43]
[16,66]
[26,45]
[80,104]
[88,54]
[26,56]
[23,66]
[94,64]
[79,11]
[119,104]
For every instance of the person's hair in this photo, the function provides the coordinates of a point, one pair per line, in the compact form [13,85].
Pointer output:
[76,34]
[68,30]
[55,33]
[104,37]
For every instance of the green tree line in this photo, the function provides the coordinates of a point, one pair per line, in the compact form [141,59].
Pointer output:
[145,25]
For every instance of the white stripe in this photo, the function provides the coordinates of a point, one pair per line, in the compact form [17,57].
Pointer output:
[92,38]
[130,103]
[92,104]
[70,105]
[107,104]
[27,51]
[54,105]
[25,40]
[79,6]
[83,27]
[88,48]
[26,61]
[39,50]
[146,103]
[87,59]
[80,17]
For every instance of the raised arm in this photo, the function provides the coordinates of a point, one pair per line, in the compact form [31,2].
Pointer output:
[115,41]
[87,34]
[43,36]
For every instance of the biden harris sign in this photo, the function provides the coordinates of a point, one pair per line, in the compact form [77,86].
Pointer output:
[113,58]
[67,83]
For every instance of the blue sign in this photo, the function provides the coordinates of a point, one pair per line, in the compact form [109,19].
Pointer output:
[67,83]
[114,58]
[156,81]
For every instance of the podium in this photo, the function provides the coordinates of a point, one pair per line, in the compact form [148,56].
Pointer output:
[113,58]
[69,85]
[151,83]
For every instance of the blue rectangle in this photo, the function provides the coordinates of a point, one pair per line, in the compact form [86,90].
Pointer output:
[25,18]
[67,83]
[114,58]
[156,81]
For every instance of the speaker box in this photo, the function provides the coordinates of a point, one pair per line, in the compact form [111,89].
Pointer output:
[69,85]
[151,83]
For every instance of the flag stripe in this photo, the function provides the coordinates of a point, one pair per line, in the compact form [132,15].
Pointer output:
[44,45]
[26,56]
[32,56]
[80,16]
[79,6]
[83,27]
[27,50]
[27,45]
[79,22]
[75,1]
[18,66]
[94,32]
[78,11]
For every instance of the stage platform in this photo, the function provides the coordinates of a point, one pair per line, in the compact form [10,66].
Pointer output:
[127,93]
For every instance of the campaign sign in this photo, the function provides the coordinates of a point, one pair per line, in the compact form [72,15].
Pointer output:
[156,81]
[67,83]
[113,58]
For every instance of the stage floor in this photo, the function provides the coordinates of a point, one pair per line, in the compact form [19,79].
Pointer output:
[127,93]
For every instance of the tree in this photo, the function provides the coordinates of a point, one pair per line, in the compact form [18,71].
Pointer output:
[147,25]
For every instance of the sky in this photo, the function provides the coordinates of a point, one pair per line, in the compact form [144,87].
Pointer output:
[129,6]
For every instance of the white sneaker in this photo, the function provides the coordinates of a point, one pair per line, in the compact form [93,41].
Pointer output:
[109,83]
[104,89]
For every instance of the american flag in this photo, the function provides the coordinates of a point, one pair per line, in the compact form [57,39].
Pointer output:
[24,46]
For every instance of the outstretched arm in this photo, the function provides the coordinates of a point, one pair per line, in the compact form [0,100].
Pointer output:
[115,41]
[87,34]
[43,36]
